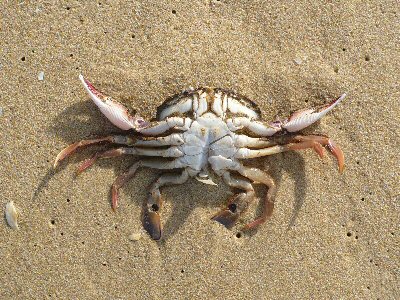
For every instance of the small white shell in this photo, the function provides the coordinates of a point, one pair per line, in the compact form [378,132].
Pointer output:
[11,215]
[206,180]
[135,236]
[41,76]
[298,60]
[204,177]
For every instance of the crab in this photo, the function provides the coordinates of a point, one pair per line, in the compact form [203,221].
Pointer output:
[199,131]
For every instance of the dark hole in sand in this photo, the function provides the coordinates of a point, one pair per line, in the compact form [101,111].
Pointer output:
[232,207]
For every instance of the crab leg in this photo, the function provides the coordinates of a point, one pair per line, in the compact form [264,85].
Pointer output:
[169,152]
[237,204]
[73,147]
[259,128]
[298,143]
[260,176]
[241,140]
[221,164]
[149,163]
[151,214]
[297,121]
[169,140]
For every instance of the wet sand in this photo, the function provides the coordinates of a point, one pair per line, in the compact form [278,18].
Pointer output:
[331,236]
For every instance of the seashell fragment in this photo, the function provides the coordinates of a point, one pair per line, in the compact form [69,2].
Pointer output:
[41,76]
[135,237]
[205,178]
[206,181]
[11,215]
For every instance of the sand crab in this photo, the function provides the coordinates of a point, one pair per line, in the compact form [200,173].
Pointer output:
[198,131]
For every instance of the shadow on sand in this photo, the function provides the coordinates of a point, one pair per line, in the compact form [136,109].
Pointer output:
[80,120]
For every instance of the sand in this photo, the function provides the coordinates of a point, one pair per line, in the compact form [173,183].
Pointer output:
[331,236]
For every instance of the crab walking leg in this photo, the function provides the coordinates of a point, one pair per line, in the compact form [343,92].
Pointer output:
[169,140]
[255,174]
[149,163]
[299,142]
[151,213]
[169,152]
[238,203]
[73,147]
[241,140]
[259,128]
[326,142]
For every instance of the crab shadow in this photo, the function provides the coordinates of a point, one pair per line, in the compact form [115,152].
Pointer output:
[82,121]
[291,163]
[78,121]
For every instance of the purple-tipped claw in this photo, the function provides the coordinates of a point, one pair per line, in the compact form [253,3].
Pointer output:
[305,117]
[114,111]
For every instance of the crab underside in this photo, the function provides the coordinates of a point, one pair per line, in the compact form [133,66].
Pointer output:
[198,131]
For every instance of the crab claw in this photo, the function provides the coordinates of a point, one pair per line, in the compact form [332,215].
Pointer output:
[305,117]
[113,110]
[229,215]
[152,224]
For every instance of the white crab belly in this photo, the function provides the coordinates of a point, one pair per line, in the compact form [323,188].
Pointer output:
[206,137]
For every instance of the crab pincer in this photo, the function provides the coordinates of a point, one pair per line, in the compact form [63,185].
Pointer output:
[305,117]
[114,111]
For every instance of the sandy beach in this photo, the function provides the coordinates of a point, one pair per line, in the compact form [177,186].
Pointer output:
[332,236]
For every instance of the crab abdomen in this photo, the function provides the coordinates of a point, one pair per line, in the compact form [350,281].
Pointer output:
[208,135]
